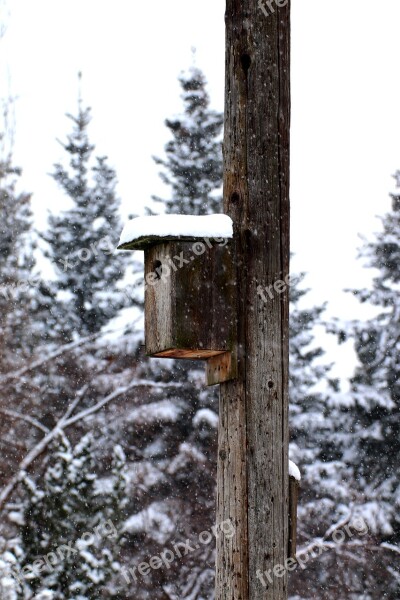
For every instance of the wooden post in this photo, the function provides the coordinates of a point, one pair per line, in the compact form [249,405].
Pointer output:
[253,433]
[293,499]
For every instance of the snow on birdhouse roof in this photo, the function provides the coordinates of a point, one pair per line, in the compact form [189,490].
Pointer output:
[141,232]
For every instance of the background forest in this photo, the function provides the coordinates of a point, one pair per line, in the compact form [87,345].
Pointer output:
[109,458]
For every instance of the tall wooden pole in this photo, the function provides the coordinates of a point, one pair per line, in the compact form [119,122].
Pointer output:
[253,434]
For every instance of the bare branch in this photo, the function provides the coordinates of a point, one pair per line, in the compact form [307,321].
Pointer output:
[79,396]
[391,547]
[27,418]
[118,392]
[64,422]
[338,525]
[322,541]
[53,355]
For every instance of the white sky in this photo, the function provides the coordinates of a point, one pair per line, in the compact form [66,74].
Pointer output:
[345,115]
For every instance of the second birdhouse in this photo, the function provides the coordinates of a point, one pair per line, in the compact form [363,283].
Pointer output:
[190,299]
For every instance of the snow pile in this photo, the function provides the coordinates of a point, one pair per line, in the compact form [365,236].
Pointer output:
[153,521]
[191,226]
[188,456]
[8,583]
[376,516]
[294,471]
[16,517]
[105,485]
[145,475]
[44,595]
[207,416]
[163,411]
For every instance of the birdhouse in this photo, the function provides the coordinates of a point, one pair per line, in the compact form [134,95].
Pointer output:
[190,299]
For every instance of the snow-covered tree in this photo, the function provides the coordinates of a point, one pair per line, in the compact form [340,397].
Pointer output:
[172,433]
[82,238]
[193,163]
[17,277]
[307,404]
[375,387]
[376,384]
[364,437]
[71,523]
[316,445]
[313,420]
[12,585]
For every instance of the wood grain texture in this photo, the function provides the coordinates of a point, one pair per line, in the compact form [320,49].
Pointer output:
[158,304]
[253,432]
[146,241]
[189,299]
[220,368]
[293,500]
[198,354]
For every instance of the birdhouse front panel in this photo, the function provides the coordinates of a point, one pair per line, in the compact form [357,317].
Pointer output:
[189,299]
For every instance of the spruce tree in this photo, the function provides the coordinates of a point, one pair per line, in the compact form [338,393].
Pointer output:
[310,421]
[193,163]
[368,436]
[83,237]
[375,387]
[175,433]
[26,302]
[14,266]
[316,445]
[73,523]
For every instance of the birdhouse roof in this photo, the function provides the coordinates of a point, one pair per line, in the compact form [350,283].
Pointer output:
[141,232]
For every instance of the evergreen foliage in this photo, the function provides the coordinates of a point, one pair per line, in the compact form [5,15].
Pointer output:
[310,421]
[74,524]
[82,238]
[193,163]
[15,267]
[376,383]
[375,394]
[25,299]
[346,445]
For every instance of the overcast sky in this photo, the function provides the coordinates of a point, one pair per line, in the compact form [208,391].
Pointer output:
[345,115]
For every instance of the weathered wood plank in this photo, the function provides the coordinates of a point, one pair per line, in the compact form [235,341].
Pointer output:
[253,444]
[221,368]
[197,354]
[147,241]
[158,312]
[293,500]
[189,299]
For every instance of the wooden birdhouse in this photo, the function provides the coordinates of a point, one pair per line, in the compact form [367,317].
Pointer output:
[190,299]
